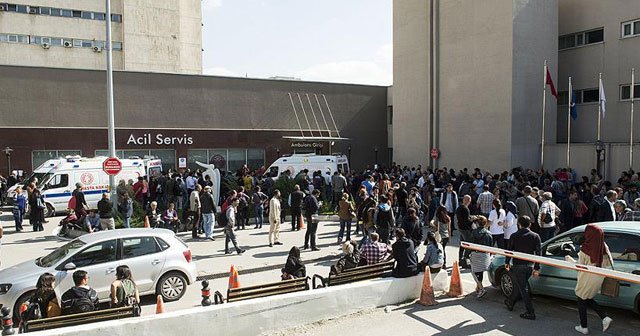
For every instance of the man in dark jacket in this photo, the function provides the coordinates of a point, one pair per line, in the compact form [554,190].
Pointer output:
[81,202]
[405,255]
[208,211]
[311,207]
[463,217]
[384,219]
[105,210]
[81,298]
[606,212]
[296,207]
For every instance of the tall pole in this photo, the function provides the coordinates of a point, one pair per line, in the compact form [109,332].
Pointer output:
[633,81]
[110,109]
[544,109]
[599,104]
[569,126]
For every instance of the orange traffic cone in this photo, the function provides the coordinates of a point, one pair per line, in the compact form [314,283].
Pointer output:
[233,278]
[426,294]
[455,287]
[159,305]
[301,222]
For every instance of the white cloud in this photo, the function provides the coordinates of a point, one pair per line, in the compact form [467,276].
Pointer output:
[219,71]
[377,71]
[210,5]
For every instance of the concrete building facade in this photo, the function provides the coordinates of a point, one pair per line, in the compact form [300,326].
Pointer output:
[147,35]
[468,80]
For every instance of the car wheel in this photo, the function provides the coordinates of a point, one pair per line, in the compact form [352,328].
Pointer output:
[506,283]
[16,307]
[50,211]
[172,286]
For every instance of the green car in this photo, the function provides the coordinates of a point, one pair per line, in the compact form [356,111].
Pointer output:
[623,239]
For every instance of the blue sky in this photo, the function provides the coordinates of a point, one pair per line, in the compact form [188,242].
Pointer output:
[348,41]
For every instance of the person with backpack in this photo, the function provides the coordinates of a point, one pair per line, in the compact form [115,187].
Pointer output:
[295,202]
[311,207]
[80,298]
[124,292]
[43,303]
[243,209]
[384,219]
[259,199]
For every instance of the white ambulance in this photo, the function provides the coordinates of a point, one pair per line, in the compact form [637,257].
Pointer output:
[57,178]
[297,162]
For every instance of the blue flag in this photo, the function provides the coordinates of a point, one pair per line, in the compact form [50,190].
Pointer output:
[574,110]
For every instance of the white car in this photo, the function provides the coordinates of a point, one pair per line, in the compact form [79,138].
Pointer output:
[159,261]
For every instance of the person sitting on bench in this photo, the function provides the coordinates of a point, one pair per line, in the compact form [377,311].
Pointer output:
[81,298]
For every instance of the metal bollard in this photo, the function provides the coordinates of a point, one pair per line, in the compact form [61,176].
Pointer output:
[206,293]
[7,322]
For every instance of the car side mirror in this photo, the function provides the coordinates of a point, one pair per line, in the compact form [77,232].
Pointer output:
[70,266]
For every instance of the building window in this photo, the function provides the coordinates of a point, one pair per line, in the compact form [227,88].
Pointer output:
[581,39]
[116,45]
[77,14]
[38,157]
[590,96]
[87,15]
[230,159]
[168,156]
[77,43]
[98,16]
[66,13]
[21,9]
[55,11]
[625,92]
[584,96]
[45,11]
[70,13]
[631,28]
[116,18]
[54,41]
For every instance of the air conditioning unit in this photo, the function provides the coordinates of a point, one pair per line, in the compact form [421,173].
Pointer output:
[46,46]
[33,10]
[68,44]
[97,49]
[3,7]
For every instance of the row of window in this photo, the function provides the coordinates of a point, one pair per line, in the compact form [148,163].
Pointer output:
[631,28]
[593,95]
[581,39]
[57,41]
[62,12]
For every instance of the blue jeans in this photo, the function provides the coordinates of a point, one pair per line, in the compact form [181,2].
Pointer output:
[207,224]
[17,217]
[126,222]
[259,216]
[345,224]
[547,233]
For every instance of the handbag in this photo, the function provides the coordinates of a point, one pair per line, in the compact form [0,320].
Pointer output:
[610,287]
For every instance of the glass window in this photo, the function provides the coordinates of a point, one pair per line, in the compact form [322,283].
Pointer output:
[23,39]
[567,245]
[77,43]
[13,38]
[45,11]
[623,246]
[194,155]
[168,157]
[96,254]
[590,96]
[11,8]
[56,12]
[625,92]
[237,159]
[636,28]
[59,253]
[35,40]
[98,16]
[567,41]
[255,158]
[116,17]
[141,153]
[66,12]
[137,247]
[4,38]
[626,29]
[21,9]
[56,41]
[594,36]
[58,181]
[64,153]
[76,13]
[163,244]
[579,39]
[87,15]
[98,44]
[87,44]
[116,45]
[46,40]
[219,158]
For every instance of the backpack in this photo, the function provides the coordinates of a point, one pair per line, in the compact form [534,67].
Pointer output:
[33,311]
[82,305]
[176,189]
[242,202]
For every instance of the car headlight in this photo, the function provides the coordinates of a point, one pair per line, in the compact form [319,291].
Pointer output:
[4,288]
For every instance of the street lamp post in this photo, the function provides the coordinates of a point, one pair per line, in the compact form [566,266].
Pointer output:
[110,108]
[7,151]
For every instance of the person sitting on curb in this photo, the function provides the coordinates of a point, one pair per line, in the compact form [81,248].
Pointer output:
[81,298]
[92,221]
[374,251]
[349,260]
[294,268]
[405,255]
[433,257]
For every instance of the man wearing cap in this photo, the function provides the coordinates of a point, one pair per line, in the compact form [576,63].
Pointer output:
[208,210]
[81,202]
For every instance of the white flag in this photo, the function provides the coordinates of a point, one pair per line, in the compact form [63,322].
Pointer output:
[603,99]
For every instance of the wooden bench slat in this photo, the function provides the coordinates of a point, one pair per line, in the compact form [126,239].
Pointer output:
[357,272]
[266,287]
[240,298]
[78,319]
[270,284]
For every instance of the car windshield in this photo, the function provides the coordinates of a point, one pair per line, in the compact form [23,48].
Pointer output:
[42,178]
[59,253]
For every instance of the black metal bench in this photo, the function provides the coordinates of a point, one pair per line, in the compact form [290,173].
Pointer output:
[269,289]
[379,270]
[78,319]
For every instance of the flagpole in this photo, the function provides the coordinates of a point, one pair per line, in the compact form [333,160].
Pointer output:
[544,109]
[599,103]
[633,80]
[569,126]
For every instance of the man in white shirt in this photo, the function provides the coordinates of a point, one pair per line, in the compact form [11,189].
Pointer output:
[274,219]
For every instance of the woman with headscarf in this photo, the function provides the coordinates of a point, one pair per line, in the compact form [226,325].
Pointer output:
[593,252]
[510,225]
[294,268]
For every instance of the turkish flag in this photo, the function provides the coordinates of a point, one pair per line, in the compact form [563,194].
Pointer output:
[550,83]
